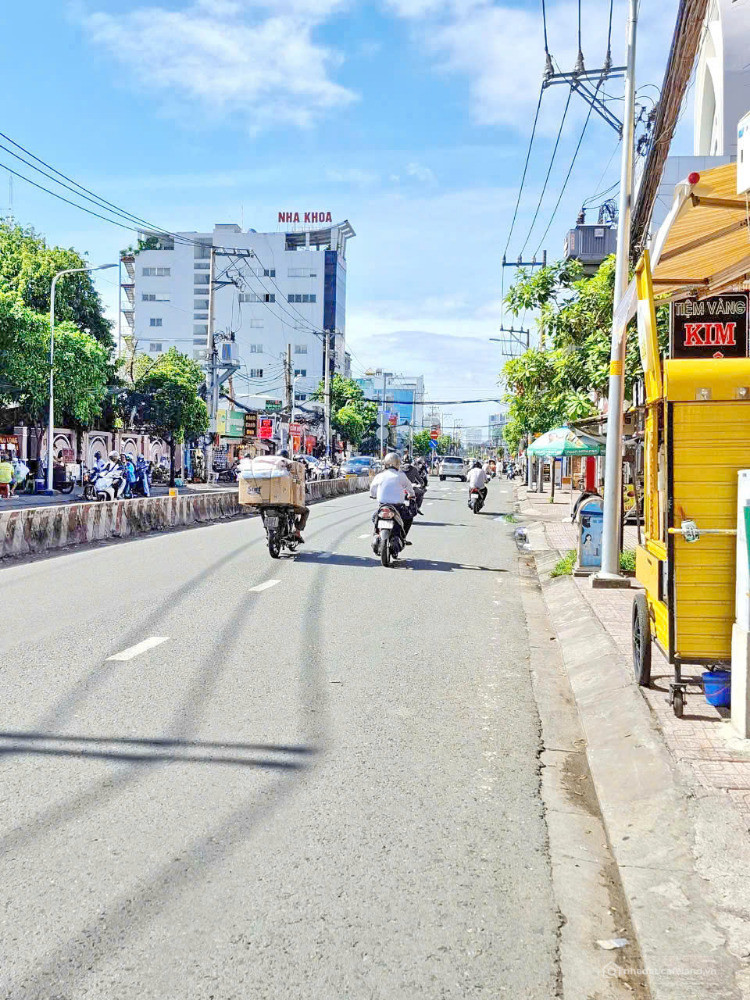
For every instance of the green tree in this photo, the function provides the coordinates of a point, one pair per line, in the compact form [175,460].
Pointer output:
[27,267]
[349,424]
[82,368]
[346,394]
[421,443]
[166,402]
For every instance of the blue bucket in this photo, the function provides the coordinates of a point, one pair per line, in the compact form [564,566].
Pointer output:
[717,685]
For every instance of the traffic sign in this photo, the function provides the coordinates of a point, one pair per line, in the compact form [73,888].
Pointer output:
[435,433]
[433,445]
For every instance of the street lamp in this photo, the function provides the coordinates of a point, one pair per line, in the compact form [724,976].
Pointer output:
[50,430]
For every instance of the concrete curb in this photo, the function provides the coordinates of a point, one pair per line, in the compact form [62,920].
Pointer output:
[648,810]
[34,530]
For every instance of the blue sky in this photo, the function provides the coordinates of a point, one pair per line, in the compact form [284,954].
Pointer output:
[408,117]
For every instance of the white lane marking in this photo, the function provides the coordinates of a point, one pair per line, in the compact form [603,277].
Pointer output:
[264,586]
[365,536]
[428,504]
[141,647]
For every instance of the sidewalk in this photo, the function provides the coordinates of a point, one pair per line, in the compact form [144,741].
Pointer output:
[704,738]
[674,793]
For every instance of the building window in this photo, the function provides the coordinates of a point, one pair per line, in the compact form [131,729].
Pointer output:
[300,348]
[202,279]
[301,371]
[256,324]
[154,321]
[256,373]
[202,251]
[200,315]
[252,297]
[256,348]
[199,355]
[200,303]
[201,328]
[301,272]
[202,267]
[156,272]
[301,298]
[154,348]
[155,297]
[201,341]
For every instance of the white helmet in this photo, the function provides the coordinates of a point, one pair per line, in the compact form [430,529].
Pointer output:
[392,461]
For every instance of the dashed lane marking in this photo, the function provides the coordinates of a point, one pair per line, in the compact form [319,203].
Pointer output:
[141,647]
[264,586]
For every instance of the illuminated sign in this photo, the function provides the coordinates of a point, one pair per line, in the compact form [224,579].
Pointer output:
[715,327]
[308,217]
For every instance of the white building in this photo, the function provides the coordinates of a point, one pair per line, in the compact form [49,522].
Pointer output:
[270,290]
[722,97]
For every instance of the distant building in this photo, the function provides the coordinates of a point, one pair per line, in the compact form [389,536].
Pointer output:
[404,397]
[279,288]
[496,427]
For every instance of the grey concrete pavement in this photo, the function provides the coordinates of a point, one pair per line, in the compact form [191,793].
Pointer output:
[325,788]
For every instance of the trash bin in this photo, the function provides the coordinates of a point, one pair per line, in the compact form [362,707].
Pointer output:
[590,524]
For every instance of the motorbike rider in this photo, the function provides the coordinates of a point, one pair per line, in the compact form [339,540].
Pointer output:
[281,461]
[141,472]
[414,475]
[478,480]
[392,487]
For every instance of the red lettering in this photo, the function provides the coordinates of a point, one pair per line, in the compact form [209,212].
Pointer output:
[296,217]
[693,337]
[328,217]
[307,216]
[282,216]
[722,334]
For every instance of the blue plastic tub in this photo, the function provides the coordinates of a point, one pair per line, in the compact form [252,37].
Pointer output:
[718,687]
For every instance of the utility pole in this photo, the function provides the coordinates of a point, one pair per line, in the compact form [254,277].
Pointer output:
[610,571]
[212,381]
[327,392]
[382,417]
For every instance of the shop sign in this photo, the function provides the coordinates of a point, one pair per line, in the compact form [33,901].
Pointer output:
[308,217]
[265,428]
[273,405]
[310,442]
[251,425]
[295,429]
[393,419]
[715,327]
[9,441]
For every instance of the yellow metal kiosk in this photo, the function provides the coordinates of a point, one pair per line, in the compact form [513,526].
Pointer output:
[696,427]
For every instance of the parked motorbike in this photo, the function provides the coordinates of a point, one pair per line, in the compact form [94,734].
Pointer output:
[390,534]
[226,475]
[476,500]
[89,479]
[281,529]
[61,480]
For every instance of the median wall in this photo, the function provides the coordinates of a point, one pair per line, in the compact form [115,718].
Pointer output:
[35,530]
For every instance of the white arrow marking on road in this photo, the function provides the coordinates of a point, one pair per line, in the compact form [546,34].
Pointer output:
[264,586]
[141,647]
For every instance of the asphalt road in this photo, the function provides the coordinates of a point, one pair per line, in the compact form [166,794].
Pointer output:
[311,778]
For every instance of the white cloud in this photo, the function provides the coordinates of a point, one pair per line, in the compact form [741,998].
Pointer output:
[499,49]
[422,174]
[258,58]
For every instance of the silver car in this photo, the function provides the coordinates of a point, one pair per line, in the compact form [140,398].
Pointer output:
[452,467]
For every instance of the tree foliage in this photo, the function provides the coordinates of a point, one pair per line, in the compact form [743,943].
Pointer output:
[565,381]
[27,267]
[349,397]
[82,368]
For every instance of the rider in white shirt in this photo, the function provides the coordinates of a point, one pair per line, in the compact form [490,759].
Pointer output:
[392,486]
[478,480]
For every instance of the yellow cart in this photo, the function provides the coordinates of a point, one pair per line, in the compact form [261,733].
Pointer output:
[697,430]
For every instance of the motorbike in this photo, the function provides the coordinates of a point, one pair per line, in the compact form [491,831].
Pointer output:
[89,478]
[226,475]
[61,480]
[389,533]
[476,500]
[281,529]
[109,485]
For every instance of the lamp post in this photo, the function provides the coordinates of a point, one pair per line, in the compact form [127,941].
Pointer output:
[50,429]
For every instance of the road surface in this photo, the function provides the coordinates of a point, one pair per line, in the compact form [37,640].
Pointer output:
[224,776]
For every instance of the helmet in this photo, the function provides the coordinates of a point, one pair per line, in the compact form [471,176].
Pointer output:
[392,461]
[114,456]
[284,453]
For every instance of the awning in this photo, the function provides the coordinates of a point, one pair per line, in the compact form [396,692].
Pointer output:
[706,249]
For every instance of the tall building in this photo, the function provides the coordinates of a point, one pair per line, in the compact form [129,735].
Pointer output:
[270,290]
[404,397]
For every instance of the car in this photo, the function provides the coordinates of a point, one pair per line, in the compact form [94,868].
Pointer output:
[359,465]
[452,467]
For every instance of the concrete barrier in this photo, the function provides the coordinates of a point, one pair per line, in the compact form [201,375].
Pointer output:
[33,530]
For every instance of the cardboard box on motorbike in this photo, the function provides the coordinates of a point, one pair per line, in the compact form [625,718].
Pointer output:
[269,482]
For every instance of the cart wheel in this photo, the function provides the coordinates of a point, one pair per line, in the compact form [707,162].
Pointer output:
[678,702]
[641,641]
